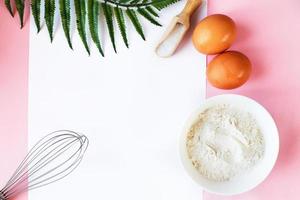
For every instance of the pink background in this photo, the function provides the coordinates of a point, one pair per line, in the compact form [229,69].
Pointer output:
[13,93]
[269,34]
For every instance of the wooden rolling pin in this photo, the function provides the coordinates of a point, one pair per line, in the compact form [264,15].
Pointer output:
[176,30]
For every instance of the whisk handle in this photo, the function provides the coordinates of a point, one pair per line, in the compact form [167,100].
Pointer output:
[2,196]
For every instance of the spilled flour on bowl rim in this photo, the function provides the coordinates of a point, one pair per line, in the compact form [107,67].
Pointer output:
[224,142]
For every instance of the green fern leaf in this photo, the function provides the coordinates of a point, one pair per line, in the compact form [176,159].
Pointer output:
[159,4]
[80,10]
[124,1]
[111,8]
[9,8]
[121,23]
[107,10]
[132,2]
[152,11]
[147,16]
[36,13]
[93,15]
[136,23]
[20,9]
[49,16]
[65,15]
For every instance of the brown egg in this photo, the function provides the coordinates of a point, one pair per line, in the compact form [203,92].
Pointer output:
[214,34]
[229,70]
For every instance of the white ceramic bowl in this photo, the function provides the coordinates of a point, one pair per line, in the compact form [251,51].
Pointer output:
[260,171]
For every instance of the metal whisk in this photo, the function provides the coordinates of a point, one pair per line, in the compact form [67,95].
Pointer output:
[51,159]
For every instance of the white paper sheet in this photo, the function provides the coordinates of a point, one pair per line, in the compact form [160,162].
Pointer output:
[132,106]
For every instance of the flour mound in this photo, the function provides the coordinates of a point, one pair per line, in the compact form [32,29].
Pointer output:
[224,142]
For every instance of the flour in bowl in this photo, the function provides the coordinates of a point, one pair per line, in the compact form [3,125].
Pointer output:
[223,142]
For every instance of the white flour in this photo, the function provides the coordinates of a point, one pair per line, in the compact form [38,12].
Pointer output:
[224,142]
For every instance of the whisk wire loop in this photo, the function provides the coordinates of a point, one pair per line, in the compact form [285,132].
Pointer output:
[16,177]
[52,158]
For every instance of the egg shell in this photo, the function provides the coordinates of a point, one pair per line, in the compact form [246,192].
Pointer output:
[229,70]
[214,34]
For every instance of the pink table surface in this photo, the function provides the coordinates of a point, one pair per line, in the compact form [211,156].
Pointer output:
[269,33]
[14,45]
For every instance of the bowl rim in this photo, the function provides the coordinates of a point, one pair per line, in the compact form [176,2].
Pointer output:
[191,119]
